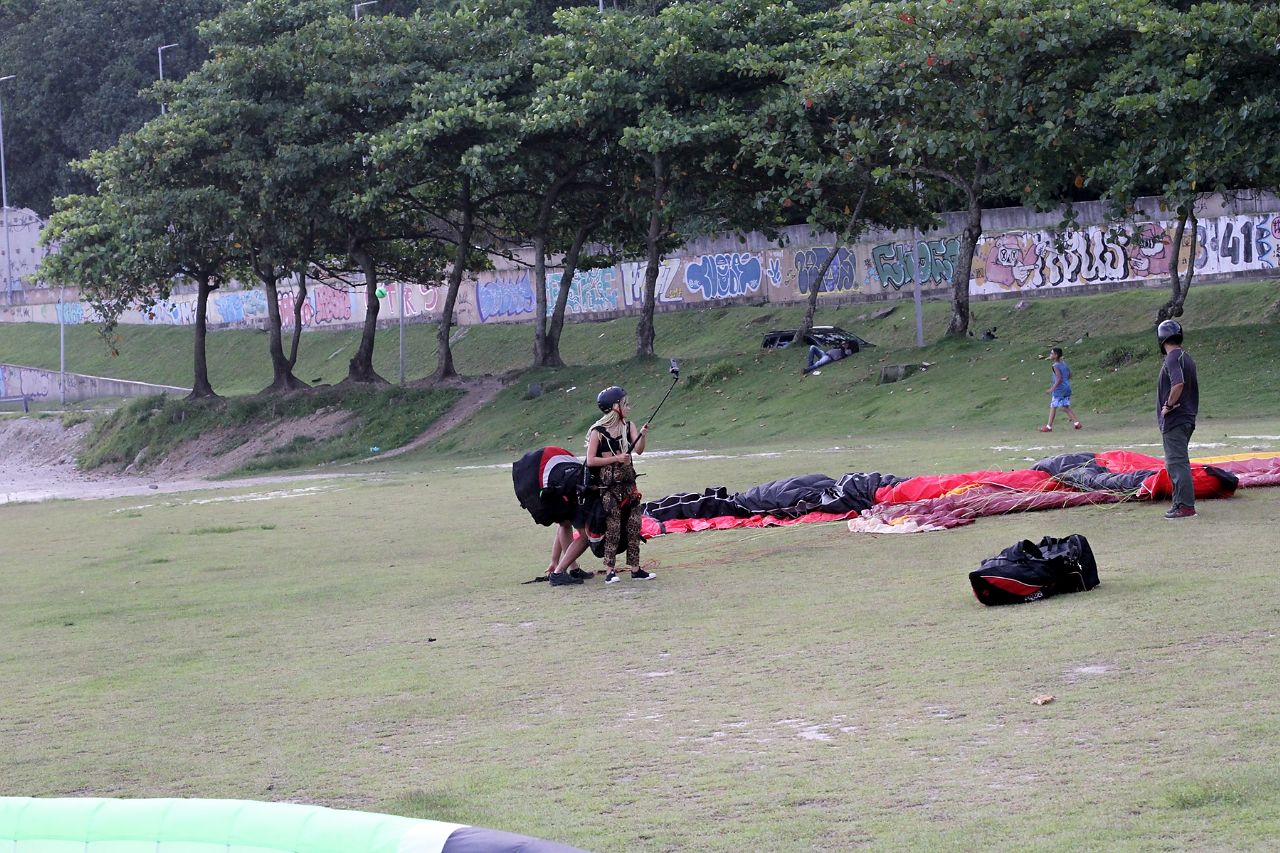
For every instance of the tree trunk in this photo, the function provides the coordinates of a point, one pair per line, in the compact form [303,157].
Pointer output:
[281,369]
[200,386]
[851,229]
[811,305]
[551,355]
[299,300]
[959,325]
[1179,284]
[444,359]
[540,295]
[360,368]
[644,329]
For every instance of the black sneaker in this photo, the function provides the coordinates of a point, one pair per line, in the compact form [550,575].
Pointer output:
[611,576]
[576,572]
[1181,512]
[642,575]
[563,579]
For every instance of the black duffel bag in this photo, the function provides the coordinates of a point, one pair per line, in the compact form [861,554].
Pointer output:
[1027,571]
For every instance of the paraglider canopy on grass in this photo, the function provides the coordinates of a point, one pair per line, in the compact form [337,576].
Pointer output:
[79,824]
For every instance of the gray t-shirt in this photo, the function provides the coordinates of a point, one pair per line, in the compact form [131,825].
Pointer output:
[1178,368]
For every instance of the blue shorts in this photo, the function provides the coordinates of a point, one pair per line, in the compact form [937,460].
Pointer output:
[1060,402]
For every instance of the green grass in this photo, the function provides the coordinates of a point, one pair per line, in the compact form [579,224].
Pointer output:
[367,642]
[786,689]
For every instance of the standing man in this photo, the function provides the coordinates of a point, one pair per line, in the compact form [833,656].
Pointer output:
[1177,402]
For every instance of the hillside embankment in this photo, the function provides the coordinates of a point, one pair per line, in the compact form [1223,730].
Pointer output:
[731,394]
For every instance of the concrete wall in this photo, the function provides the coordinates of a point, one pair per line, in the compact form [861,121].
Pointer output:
[1020,254]
[23,252]
[16,380]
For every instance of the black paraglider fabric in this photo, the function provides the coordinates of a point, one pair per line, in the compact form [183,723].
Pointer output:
[790,497]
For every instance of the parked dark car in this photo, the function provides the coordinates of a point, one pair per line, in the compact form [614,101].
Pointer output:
[825,337]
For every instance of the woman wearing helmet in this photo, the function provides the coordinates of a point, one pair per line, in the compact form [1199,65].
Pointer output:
[610,443]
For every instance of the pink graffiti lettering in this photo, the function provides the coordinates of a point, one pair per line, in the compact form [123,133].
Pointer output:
[332,305]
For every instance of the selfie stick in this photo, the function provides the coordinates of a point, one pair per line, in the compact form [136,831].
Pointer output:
[675,372]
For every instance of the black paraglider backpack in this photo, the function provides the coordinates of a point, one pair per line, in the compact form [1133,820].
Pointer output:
[1027,571]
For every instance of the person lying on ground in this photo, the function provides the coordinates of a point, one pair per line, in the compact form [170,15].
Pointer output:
[818,358]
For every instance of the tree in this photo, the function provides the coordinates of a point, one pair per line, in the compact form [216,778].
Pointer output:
[974,95]
[357,83]
[81,66]
[1208,82]
[445,164]
[145,228]
[681,85]
[819,155]
[249,104]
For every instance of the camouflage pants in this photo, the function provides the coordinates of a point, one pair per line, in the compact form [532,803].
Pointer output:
[622,507]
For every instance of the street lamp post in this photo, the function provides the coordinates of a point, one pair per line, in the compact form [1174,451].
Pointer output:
[62,347]
[355,10]
[4,200]
[160,62]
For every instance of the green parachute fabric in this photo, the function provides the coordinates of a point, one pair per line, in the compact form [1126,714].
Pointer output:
[95,825]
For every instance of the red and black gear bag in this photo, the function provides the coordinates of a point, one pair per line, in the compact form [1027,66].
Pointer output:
[1028,571]
[547,483]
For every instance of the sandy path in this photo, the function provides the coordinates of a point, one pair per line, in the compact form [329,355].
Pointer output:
[37,463]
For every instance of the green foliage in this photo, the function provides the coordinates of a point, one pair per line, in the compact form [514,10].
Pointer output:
[1120,356]
[1208,81]
[718,372]
[71,419]
[84,68]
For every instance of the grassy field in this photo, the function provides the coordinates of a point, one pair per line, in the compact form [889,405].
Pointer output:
[366,642]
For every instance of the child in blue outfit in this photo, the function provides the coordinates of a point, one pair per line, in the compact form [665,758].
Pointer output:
[1060,390]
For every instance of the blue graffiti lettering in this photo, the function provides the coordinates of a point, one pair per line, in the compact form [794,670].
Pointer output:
[721,276]
[841,276]
[504,297]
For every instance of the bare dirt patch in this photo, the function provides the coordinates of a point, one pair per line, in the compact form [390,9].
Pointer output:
[222,451]
[37,455]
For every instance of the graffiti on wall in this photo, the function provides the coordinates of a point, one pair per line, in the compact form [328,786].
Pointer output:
[1103,254]
[841,276]
[930,262]
[1015,261]
[723,275]
[18,381]
[323,306]
[504,296]
[666,291]
[591,291]
[241,306]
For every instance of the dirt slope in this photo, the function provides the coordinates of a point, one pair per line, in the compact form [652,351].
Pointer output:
[37,454]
